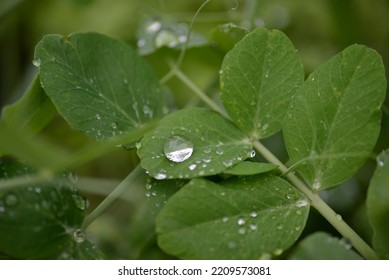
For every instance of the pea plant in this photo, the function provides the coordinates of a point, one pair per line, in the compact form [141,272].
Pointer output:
[215,190]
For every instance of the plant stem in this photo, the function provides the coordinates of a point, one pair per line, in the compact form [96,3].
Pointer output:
[200,93]
[116,193]
[333,218]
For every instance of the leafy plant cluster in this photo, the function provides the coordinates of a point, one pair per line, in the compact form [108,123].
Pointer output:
[214,189]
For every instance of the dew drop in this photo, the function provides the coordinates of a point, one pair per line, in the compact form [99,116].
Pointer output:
[160,175]
[381,163]
[301,203]
[278,252]
[141,43]
[225,219]
[147,111]
[192,166]
[138,145]
[207,150]
[346,243]
[79,236]
[279,226]
[253,214]
[253,227]
[242,231]
[165,38]
[154,27]
[207,159]
[73,178]
[240,221]
[36,62]
[221,72]
[219,151]
[316,185]
[252,153]
[338,217]
[2,208]
[227,163]
[289,196]
[80,202]
[11,199]
[98,117]
[182,39]
[178,149]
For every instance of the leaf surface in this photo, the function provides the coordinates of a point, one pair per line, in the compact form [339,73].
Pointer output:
[99,84]
[258,78]
[333,122]
[32,112]
[245,168]
[37,221]
[378,206]
[242,218]
[322,246]
[217,145]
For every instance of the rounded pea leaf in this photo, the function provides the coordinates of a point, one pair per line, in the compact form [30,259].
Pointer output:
[99,84]
[378,207]
[37,221]
[192,143]
[322,246]
[333,122]
[258,78]
[242,218]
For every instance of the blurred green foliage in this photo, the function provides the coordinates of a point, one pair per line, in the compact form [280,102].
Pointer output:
[318,28]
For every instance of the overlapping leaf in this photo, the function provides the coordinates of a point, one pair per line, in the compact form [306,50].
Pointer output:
[257,80]
[99,84]
[333,122]
[378,206]
[322,246]
[217,145]
[242,218]
[37,220]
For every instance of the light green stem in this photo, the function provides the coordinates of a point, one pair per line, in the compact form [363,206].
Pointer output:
[115,194]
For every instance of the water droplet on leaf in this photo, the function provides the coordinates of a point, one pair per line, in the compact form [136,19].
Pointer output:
[301,203]
[98,117]
[253,227]
[80,202]
[253,214]
[240,221]
[252,153]
[79,236]
[154,27]
[160,175]
[178,149]
[36,62]
[192,166]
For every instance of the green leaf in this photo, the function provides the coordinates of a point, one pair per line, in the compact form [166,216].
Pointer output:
[159,191]
[242,218]
[250,168]
[322,246]
[378,206]
[98,84]
[32,112]
[258,78]
[81,251]
[154,34]
[215,142]
[333,122]
[227,35]
[37,221]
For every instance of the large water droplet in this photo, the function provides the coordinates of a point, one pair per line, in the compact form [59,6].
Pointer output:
[178,149]
[11,199]
[79,236]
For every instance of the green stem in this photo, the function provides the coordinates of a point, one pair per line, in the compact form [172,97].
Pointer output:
[199,93]
[115,194]
[333,218]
